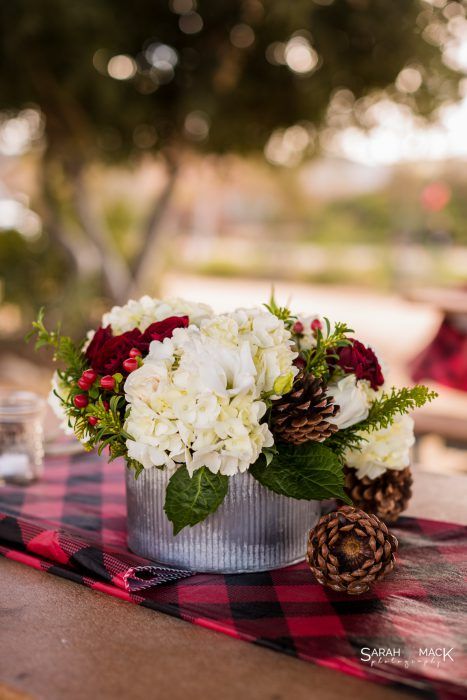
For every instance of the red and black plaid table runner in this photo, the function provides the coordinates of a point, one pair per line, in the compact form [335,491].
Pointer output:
[409,631]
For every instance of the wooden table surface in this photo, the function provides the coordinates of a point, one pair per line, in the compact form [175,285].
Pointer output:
[61,640]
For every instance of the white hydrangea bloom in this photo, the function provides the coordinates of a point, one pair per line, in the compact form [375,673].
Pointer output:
[388,448]
[270,342]
[141,313]
[58,387]
[195,400]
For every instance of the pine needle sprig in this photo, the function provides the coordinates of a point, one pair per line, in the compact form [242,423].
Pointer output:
[283,313]
[65,350]
[381,415]
[319,357]
[398,401]
[110,431]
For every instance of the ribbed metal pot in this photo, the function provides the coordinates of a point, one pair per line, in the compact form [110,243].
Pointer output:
[253,530]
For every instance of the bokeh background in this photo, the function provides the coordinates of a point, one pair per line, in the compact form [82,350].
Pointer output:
[212,149]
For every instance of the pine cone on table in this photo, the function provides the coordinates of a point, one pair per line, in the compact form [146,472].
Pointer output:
[386,496]
[349,550]
[303,414]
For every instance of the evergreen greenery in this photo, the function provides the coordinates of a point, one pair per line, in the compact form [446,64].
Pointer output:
[109,431]
[382,413]
[318,358]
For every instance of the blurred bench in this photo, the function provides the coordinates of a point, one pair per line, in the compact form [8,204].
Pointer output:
[452,428]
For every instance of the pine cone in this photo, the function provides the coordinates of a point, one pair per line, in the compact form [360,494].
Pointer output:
[386,496]
[303,414]
[349,549]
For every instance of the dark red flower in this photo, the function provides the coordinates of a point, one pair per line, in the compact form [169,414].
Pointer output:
[300,362]
[361,361]
[106,353]
[109,357]
[101,336]
[164,329]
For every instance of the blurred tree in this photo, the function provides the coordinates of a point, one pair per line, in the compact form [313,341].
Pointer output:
[114,79]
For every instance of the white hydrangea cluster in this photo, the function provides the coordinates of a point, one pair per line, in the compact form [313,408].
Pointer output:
[141,313]
[387,448]
[197,397]
[270,343]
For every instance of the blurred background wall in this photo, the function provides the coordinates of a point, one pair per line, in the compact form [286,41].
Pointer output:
[211,149]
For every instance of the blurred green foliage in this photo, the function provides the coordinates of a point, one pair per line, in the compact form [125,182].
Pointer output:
[55,55]
[22,265]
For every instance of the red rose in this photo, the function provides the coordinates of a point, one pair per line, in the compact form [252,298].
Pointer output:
[361,361]
[164,329]
[106,353]
[101,336]
[108,358]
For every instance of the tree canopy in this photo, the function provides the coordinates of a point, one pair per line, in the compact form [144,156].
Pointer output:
[113,77]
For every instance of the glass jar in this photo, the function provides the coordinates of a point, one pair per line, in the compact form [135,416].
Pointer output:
[21,437]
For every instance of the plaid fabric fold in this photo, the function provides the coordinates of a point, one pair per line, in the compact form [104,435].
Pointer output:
[71,521]
[72,552]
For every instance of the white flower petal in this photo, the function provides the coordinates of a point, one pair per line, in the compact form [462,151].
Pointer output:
[352,400]
[388,448]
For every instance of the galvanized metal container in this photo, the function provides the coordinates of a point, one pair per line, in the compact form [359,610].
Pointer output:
[253,530]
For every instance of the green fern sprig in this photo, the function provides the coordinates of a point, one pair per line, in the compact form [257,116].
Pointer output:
[381,415]
[65,350]
[398,401]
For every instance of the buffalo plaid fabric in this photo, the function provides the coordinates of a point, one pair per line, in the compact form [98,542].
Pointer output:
[408,631]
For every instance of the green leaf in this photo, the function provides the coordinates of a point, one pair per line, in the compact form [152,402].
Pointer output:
[269,454]
[307,472]
[190,500]
[134,465]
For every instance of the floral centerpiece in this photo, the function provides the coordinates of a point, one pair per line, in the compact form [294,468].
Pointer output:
[170,385]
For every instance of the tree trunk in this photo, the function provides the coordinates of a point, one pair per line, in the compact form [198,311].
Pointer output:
[53,219]
[120,280]
[151,231]
[115,271]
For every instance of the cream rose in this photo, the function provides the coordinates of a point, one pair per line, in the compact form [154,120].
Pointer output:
[353,400]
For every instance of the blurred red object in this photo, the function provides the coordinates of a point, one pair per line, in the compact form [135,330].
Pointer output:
[435,197]
[445,359]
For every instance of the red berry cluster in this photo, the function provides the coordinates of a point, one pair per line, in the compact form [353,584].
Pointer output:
[85,382]
[298,328]
[107,382]
[132,362]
